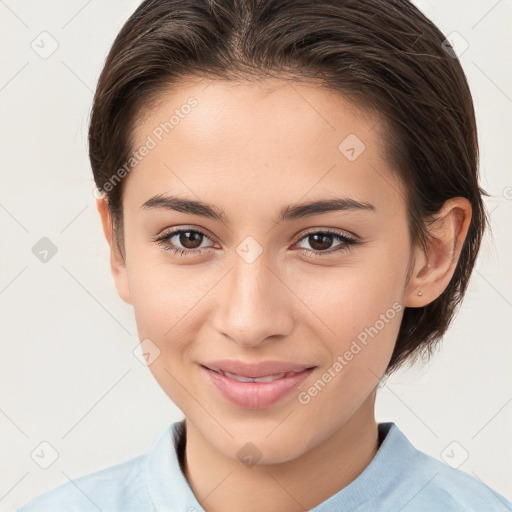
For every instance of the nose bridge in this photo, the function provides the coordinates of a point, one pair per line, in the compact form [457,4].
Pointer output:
[254,304]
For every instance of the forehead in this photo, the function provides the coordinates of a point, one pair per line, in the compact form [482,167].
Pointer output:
[265,140]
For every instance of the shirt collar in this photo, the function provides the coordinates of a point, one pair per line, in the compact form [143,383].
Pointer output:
[166,482]
[168,486]
[379,478]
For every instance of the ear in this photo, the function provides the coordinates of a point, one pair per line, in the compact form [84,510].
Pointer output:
[117,262]
[433,271]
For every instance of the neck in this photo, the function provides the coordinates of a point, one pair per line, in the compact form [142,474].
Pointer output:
[225,485]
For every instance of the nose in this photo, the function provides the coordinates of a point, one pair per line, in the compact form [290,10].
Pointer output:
[255,304]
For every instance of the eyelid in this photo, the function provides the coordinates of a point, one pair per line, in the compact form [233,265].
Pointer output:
[170,232]
[328,231]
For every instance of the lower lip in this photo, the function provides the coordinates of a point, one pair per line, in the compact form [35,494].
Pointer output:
[255,395]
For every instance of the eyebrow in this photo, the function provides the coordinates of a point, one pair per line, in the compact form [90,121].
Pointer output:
[291,212]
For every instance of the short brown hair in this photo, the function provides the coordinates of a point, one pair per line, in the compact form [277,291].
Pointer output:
[383,55]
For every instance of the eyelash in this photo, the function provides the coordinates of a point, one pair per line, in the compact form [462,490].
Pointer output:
[348,243]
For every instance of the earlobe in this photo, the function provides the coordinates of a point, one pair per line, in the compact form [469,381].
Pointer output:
[416,293]
[117,261]
[433,271]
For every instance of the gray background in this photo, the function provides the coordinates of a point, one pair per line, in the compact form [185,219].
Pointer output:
[68,376]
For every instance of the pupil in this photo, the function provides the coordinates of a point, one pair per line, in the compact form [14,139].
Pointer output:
[188,238]
[319,245]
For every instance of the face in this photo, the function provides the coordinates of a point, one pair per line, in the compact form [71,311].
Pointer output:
[262,278]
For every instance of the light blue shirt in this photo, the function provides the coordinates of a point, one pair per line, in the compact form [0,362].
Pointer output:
[399,478]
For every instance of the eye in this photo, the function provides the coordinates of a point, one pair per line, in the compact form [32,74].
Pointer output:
[188,242]
[190,239]
[320,241]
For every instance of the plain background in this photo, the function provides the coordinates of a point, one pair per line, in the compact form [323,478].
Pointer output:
[68,376]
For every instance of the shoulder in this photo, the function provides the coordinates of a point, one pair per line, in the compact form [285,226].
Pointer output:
[117,488]
[428,482]
[455,489]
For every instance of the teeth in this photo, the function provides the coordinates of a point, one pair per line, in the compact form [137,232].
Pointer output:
[241,378]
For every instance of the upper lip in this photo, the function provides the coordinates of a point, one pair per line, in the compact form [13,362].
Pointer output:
[255,369]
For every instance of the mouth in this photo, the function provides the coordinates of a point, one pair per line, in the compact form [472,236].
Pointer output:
[256,386]
[272,369]
[245,378]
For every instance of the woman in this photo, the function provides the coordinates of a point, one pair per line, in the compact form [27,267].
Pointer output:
[289,190]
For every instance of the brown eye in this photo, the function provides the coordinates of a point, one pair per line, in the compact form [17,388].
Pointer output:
[321,241]
[183,241]
[189,239]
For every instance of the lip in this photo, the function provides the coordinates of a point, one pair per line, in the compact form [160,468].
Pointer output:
[256,395]
[256,369]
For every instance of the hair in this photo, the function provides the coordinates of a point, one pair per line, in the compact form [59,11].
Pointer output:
[386,57]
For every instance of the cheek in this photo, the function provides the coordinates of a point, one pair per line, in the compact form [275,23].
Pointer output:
[169,307]
[360,321]
[164,296]
[346,300]
[166,310]
[358,310]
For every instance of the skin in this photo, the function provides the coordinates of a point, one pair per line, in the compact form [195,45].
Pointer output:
[252,149]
